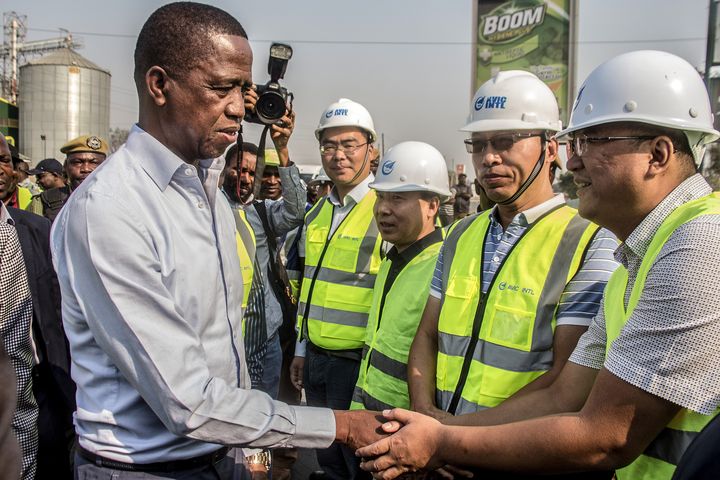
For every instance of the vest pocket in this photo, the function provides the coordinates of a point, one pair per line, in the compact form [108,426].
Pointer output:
[510,327]
[459,304]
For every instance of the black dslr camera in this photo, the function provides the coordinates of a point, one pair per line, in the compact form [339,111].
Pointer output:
[272,98]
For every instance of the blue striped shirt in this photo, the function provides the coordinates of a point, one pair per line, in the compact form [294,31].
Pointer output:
[580,300]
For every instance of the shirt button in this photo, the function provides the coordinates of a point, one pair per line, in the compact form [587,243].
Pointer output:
[188,171]
[201,205]
[496,259]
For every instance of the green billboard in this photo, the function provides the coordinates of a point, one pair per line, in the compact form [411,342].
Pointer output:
[531,35]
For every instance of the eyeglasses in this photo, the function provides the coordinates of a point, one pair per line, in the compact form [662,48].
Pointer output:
[329,149]
[578,145]
[500,143]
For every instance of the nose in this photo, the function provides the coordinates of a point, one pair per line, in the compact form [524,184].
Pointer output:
[574,162]
[235,107]
[382,208]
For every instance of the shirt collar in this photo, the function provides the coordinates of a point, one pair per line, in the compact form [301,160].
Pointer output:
[639,240]
[414,249]
[531,215]
[356,194]
[158,161]
[5,216]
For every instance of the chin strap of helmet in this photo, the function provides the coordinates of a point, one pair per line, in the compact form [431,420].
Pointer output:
[362,169]
[533,175]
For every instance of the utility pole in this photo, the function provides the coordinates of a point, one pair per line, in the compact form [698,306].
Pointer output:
[14,47]
[711,40]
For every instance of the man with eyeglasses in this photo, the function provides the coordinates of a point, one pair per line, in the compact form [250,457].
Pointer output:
[514,286]
[644,379]
[342,258]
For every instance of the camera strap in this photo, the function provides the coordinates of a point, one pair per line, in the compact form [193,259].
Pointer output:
[260,166]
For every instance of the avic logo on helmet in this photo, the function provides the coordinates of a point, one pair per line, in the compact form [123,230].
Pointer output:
[490,102]
[388,167]
[337,111]
[512,20]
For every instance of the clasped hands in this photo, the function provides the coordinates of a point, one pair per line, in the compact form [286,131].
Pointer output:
[395,442]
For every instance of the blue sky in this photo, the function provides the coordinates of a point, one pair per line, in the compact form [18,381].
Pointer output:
[407,61]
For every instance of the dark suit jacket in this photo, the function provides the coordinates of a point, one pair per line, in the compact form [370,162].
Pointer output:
[34,234]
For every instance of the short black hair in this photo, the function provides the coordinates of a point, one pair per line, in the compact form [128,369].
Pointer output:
[251,148]
[175,36]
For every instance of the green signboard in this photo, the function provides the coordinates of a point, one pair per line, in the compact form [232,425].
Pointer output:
[531,35]
[9,121]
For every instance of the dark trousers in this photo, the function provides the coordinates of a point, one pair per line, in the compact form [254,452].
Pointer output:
[56,433]
[329,382]
[225,469]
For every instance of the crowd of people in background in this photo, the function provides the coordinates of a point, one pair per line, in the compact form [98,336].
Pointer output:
[187,307]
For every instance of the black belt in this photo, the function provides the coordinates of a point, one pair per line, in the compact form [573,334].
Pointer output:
[355,354]
[172,466]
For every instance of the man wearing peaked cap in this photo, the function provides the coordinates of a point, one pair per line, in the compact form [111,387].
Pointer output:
[50,175]
[644,379]
[84,154]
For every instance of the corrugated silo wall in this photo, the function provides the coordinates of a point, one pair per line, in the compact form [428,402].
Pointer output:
[61,102]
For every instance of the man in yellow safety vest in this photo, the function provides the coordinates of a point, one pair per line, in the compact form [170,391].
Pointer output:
[645,377]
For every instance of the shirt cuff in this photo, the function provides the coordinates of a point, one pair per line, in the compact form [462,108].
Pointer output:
[300,348]
[434,293]
[573,320]
[314,427]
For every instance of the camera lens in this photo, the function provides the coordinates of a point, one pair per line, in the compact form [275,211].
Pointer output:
[270,107]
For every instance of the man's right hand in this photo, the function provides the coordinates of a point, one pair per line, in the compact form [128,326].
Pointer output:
[296,372]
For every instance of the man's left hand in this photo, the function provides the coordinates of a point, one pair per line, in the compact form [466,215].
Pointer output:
[415,446]
[281,131]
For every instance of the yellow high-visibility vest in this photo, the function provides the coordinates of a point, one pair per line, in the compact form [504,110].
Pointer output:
[382,380]
[339,275]
[491,345]
[660,458]
[245,239]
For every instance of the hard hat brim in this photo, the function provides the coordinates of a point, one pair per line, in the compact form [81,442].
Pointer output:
[510,125]
[402,188]
[711,134]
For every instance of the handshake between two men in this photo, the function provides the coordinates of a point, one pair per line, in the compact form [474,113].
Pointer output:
[394,442]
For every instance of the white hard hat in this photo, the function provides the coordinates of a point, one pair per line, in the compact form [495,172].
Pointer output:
[412,167]
[650,87]
[513,100]
[320,176]
[346,113]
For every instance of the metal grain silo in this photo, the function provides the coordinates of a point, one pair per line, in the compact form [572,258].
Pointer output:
[62,95]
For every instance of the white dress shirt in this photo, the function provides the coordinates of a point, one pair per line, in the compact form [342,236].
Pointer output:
[146,257]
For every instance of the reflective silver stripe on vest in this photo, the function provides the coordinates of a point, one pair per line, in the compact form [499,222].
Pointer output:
[331,275]
[245,235]
[315,211]
[388,366]
[495,355]
[556,281]
[338,317]
[450,246]
[443,399]
[293,274]
[367,248]
[670,445]
[368,401]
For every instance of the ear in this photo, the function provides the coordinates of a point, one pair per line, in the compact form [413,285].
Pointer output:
[551,150]
[661,151]
[434,206]
[156,84]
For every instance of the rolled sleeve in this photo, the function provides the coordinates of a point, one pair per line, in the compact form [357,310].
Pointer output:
[288,213]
